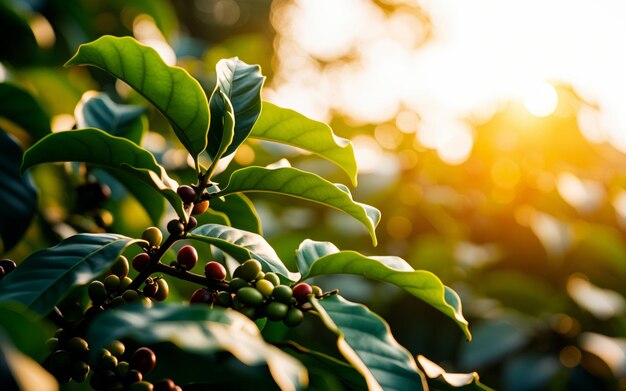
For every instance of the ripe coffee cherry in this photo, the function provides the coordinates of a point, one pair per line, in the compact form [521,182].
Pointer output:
[200,207]
[293,317]
[276,310]
[186,193]
[249,269]
[133,376]
[120,267]
[97,292]
[77,346]
[153,236]
[112,283]
[192,223]
[116,348]
[141,386]
[301,291]
[143,360]
[282,293]
[201,296]
[273,278]
[165,385]
[2,272]
[163,291]
[175,227]
[250,296]
[187,257]
[150,289]
[224,299]
[140,261]
[265,287]
[215,270]
[8,265]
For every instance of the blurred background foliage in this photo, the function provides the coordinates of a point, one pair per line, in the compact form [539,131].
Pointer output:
[520,206]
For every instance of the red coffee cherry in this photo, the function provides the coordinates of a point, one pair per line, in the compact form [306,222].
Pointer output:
[141,261]
[186,193]
[201,296]
[143,360]
[301,291]
[200,207]
[215,270]
[187,257]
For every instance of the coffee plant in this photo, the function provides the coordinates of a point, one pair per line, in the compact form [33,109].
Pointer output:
[117,326]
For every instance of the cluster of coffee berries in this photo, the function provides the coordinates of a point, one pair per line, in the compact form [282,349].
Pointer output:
[115,369]
[189,197]
[68,359]
[113,291]
[256,294]
[6,267]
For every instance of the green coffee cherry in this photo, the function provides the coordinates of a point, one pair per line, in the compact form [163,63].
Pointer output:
[249,269]
[250,296]
[250,312]
[259,276]
[276,310]
[61,362]
[293,317]
[122,369]
[112,283]
[141,386]
[52,344]
[238,283]
[121,267]
[265,287]
[130,295]
[282,294]
[317,291]
[116,348]
[77,346]
[163,291]
[97,292]
[117,301]
[80,370]
[124,283]
[224,299]
[153,236]
[273,278]
[107,362]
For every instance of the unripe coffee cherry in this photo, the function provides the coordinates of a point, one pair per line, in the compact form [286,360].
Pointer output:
[52,344]
[8,265]
[143,360]
[130,295]
[293,317]
[163,291]
[186,193]
[80,370]
[187,257]
[61,362]
[97,292]
[215,270]
[249,269]
[200,207]
[153,236]
[124,283]
[301,291]
[224,299]
[112,283]
[276,310]
[265,287]
[116,348]
[282,293]
[175,227]
[77,346]
[165,385]
[250,312]
[237,283]
[140,261]
[317,291]
[273,278]
[250,296]
[201,296]
[141,386]
[107,362]
[122,369]
[150,289]
[120,268]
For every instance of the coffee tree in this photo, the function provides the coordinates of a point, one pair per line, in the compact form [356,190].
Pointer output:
[117,332]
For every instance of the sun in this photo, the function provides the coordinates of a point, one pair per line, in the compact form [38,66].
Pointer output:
[541,99]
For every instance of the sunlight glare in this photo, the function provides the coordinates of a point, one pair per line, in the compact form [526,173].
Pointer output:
[541,99]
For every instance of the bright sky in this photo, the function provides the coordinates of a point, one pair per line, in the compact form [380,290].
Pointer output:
[482,52]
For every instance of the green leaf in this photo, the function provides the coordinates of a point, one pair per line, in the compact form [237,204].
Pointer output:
[44,278]
[365,341]
[97,110]
[98,147]
[171,89]
[227,122]
[18,195]
[301,184]
[20,107]
[439,379]
[241,245]
[289,127]
[199,330]
[20,372]
[240,211]
[242,84]
[321,258]
[24,329]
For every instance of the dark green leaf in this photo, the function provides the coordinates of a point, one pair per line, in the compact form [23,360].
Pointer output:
[226,120]
[21,48]
[98,147]
[290,127]
[241,245]
[305,185]
[24,329]
[20,107]
[18,195]
[44,278]
[313,261]
[171,89]
[242,84]
[439,379]
[97,110]
[365,341]
[240,212]
[199,330]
